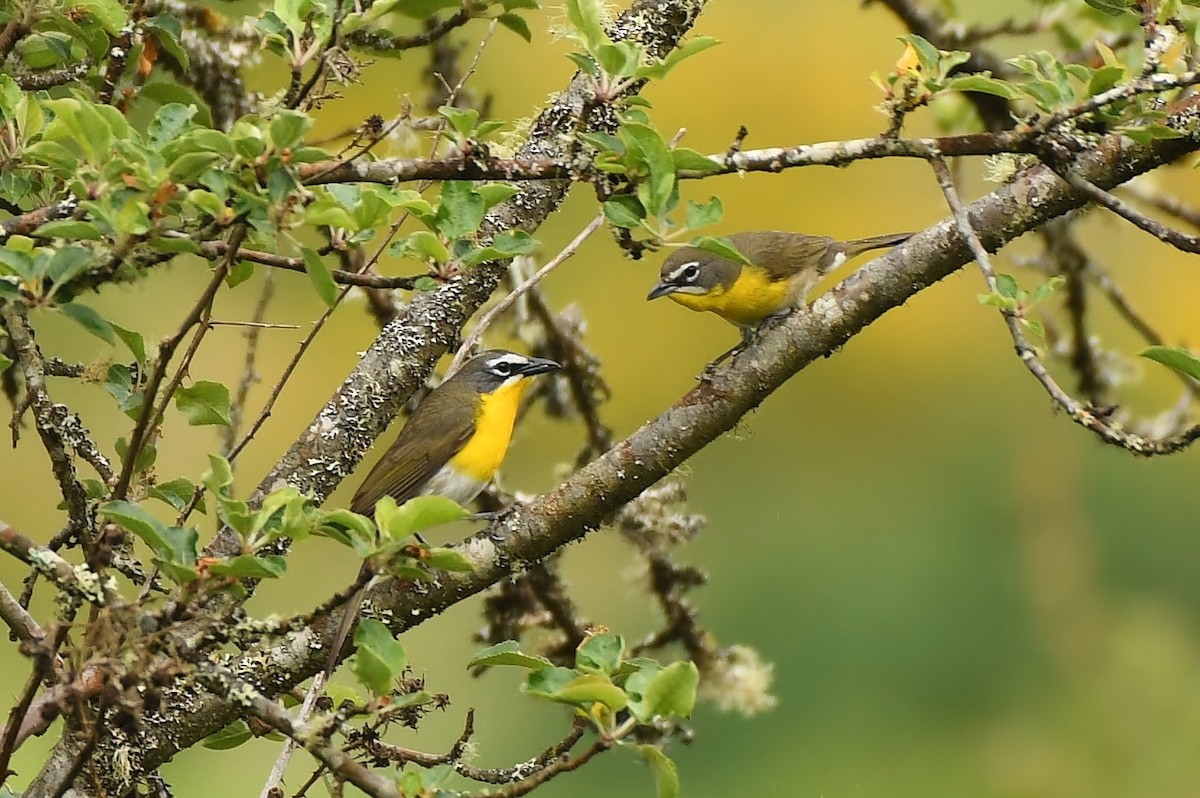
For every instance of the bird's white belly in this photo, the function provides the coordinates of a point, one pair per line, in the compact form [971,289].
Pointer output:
[454,485]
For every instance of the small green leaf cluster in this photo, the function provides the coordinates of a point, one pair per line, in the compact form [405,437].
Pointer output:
[448,243]
[606,686]
[70,32]
[1041,79]
[298,30]
[155,188]
[284,513]
[1017,302]
[450,240]
[616,66]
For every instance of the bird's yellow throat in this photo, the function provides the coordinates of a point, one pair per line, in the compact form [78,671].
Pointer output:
[753,297]
[494,419]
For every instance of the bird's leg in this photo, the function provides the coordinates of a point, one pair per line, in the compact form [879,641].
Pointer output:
[748,335]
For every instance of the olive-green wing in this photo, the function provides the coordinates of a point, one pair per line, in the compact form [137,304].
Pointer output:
[783,254]
[435,432]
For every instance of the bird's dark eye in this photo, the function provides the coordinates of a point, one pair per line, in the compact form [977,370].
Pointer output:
[502,369]
[691,273]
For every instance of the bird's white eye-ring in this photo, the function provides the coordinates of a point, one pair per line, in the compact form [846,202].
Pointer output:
[691,273]
[502,368]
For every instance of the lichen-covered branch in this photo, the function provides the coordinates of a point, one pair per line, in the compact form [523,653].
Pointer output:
[407,348]
[531,532]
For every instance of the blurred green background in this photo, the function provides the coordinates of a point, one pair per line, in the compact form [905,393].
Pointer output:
[961,593]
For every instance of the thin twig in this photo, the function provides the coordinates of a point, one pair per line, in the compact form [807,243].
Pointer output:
[22,624]
[1162,232]
[166,349]
[249,371]
[1081,415]
[570,249]
[226,683]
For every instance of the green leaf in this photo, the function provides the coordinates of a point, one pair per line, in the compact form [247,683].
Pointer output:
[249,566]
[231,736]
[601,653]
[68,263]
[983,84]
[320,276]
[187,167]
[586,64]
[5,362]
[619,59]
[624,211]
[694,162]
[670,691]
[174,544]
[68,228]
[703,215]
[91,321]
[380,658]
[517,24]
[495,193]
[1006,286]
[422,9]
[1174,358]
[656,188]
[447,559]
[109,13]
[666,777]
[204,402]
[18,263]
[461,209]
[133,341]
[52,154]
[288,128]
[591,688]
[586,16]
[1105,78]
[168,30]
[689,48]
[720,246]
[546,682]
[462,120]
[416,515]
[1113,8]
[927,54]
[507,653]
[119,384]
[219,475]
[169,122]
[177,492]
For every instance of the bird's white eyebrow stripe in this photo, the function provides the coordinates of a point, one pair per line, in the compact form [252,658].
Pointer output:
[511,359]
[680,269]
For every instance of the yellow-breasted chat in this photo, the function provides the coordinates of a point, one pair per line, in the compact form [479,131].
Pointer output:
[452,445]
[456,439]
[783,268]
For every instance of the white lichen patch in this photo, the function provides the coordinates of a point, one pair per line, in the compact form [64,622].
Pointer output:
[479,551]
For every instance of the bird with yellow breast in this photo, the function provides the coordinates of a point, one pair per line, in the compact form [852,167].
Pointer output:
[783,267]
[452,445]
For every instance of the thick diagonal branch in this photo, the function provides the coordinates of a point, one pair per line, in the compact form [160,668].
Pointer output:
[532,532]
[407,348]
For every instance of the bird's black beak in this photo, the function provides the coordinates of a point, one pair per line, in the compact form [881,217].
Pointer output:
[539,365]
[660,289]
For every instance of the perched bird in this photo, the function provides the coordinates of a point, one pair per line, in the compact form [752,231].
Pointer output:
[783,268]
[452,445]
[456,439]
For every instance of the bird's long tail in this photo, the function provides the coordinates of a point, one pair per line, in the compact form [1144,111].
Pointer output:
[860,245]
